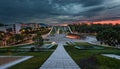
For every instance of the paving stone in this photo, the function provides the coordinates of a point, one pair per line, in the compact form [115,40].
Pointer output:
[60,60]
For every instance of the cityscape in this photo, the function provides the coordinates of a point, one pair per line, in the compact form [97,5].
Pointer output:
[60,34]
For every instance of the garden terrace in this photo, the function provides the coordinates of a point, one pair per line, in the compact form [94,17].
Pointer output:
[93,59]
[33,63]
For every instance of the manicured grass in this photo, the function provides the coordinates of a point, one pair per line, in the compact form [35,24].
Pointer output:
[33,63]
[92,59]
[87,45]
[54,47]
[18,50]
[13,47]
[84,44]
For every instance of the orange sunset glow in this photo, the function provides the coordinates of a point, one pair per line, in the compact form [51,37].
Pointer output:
[108,22]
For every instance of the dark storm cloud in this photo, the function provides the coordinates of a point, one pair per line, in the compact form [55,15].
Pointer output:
[85,3]
[54,10]
[93,12]
[25,7]
[115,6]
[72,7]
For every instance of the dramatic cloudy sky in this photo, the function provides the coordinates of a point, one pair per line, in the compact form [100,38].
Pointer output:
[58,11]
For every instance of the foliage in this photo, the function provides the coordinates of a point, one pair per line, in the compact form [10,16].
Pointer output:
[27,33]
[106,33]
[109,36]
[92,28]
[2,34]
[16,38]
[38,40]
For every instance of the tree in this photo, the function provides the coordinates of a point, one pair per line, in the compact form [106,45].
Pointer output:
[2,38]
[118,38]
[38,41]
[108,36]
[1,35]
[15,39]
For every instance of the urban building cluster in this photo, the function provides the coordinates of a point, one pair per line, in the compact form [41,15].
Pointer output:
[15,28]
[13,34]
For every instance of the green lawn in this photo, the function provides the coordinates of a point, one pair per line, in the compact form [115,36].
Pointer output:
[33,63]
[47,42]
[14,47]
[92,59]
[54,47]
[18,48]
[86,45]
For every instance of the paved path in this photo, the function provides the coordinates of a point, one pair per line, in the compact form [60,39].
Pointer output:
[60,60]
[112,56]
[12,63]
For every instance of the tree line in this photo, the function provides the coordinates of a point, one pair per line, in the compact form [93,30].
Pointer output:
[105,33]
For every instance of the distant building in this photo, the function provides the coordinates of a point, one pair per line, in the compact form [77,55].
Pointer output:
[17,28]
[33,25]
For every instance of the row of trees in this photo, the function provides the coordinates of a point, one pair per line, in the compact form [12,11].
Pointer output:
[109,36]
[93,28]
[106,33]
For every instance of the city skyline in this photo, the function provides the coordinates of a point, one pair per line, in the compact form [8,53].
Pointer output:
[58,11]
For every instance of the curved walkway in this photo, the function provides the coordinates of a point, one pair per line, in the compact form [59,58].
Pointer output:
[60,60]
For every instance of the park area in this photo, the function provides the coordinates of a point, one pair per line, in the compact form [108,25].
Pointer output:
[82,53]
[4,60]
[89,56]
[11,54]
